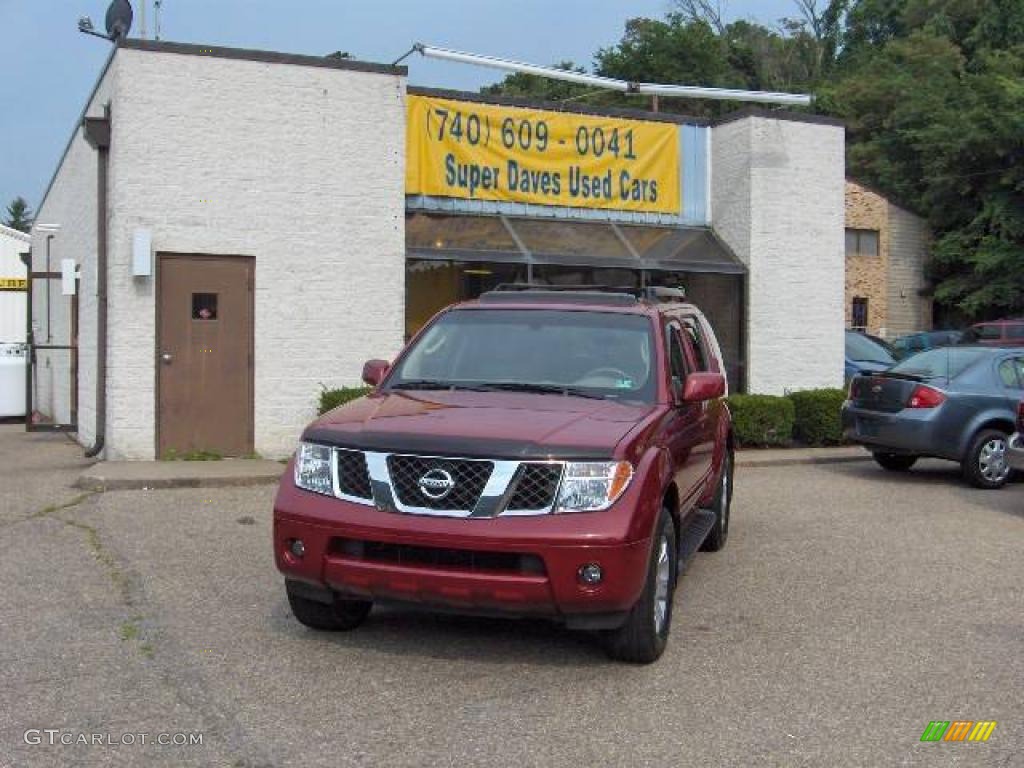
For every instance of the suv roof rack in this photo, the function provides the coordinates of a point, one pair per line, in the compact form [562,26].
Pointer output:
[582,294]
[518,293]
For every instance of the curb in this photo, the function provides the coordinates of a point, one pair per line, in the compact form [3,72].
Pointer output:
[99,484]
[791,461]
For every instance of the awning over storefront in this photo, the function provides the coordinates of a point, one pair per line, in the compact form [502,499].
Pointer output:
[565,242]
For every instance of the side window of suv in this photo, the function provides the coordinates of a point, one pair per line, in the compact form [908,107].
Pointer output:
[676,355]
[698,343]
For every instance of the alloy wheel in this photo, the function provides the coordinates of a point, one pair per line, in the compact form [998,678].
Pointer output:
[992,460]
[661,587]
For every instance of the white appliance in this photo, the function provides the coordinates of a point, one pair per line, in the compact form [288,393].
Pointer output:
[13,359]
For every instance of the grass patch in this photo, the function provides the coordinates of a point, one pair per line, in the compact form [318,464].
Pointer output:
[129,631]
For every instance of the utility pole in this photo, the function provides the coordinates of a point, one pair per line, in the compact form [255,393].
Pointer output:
[142,20]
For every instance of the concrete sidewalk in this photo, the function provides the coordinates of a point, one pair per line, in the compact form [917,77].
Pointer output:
[136,475]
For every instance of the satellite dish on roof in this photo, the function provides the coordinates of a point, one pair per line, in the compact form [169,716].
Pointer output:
[119,19]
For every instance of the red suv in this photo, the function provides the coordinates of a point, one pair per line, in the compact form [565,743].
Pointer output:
[533,453]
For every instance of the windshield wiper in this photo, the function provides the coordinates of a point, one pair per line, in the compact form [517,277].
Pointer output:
[547,389]
[431,384]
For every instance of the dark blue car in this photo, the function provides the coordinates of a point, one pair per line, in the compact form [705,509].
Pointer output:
[956,403]
[864,355]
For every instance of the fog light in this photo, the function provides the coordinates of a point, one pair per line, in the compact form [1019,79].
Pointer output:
[298,548]
[590,574]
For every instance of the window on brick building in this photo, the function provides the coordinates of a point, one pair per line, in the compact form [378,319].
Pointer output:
[859,313]
[861,242]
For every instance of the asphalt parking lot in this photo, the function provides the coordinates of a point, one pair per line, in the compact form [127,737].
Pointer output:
[849,609]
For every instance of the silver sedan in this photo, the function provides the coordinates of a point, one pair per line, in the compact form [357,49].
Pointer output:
[956,403]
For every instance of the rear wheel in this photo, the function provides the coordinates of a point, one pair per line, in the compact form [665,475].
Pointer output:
[895,462]
[642,638]
[337,616]
[985,465]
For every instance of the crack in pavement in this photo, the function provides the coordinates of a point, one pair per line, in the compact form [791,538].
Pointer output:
[185,684]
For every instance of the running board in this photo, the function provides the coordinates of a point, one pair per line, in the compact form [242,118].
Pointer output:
[700,525]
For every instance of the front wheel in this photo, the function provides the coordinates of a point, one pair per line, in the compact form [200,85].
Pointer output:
[642,638]
[895,462]
[985,465]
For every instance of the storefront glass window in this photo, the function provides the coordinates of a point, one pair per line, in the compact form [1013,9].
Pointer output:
[546,238]
[432,285]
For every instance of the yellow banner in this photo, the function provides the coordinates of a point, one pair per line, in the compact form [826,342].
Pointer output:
[480,151]
[13,284]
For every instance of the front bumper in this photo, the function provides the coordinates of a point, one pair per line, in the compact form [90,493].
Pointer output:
[519,566]
[1015,451]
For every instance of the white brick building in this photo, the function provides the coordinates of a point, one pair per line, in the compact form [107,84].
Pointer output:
[272,189]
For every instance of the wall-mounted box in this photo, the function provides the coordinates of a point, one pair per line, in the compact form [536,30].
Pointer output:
[68,277]
[142,253]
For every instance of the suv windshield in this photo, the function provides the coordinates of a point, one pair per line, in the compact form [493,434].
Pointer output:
[586,353]
[940,363]
[862,349]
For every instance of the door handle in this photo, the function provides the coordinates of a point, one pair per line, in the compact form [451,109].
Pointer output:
[166,357]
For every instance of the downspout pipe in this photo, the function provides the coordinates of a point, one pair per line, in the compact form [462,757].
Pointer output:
[97,133]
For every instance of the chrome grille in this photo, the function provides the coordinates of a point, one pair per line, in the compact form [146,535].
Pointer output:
[469,478]
[535,486]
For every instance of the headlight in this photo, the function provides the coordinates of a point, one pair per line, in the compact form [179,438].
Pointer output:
[590,486]
[313,468]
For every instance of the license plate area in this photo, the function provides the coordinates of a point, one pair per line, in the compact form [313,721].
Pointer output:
[867,427]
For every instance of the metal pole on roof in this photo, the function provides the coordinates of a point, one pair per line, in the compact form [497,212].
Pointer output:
[724,94]
[553,73]
[650,89]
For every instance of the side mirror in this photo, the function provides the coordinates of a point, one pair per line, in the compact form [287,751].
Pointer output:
[374,372]
[703,386]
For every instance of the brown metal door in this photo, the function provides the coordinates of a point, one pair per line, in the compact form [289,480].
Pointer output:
[204,355]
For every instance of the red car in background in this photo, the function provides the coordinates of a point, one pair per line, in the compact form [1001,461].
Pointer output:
[533,453]
[997,333]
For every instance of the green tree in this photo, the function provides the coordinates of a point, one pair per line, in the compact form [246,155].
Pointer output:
[932,92]
[19,215]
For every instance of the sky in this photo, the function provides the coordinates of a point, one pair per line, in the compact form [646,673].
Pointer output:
[49,68]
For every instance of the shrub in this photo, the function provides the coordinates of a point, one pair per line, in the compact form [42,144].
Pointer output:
[760,420]
[818,416]
[332,398]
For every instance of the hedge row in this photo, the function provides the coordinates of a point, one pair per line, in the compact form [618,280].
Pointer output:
[332,398]
[811,417]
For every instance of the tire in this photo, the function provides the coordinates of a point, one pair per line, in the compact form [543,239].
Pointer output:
[643,636]
[341,615]
[722,507]
[895,462]
[985,464]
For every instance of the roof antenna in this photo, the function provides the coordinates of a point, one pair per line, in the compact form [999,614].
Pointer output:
[157,8]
